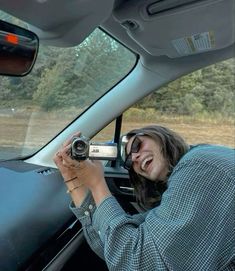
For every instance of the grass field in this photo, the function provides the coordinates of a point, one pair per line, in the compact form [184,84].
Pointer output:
[38,129]
[199,133]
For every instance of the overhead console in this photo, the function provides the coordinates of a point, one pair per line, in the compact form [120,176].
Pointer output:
[177,28]
[58,22]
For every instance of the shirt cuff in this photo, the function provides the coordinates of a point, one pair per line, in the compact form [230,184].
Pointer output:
[85,211]
[104,215]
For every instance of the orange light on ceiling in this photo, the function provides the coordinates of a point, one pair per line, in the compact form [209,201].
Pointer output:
[11,38]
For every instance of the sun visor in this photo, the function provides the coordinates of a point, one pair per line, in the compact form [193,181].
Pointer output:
[58,22]
[178,28]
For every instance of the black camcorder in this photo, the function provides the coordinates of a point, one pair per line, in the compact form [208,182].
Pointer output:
[82,149]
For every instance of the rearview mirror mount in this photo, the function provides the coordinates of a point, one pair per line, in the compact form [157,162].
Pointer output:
[18,49]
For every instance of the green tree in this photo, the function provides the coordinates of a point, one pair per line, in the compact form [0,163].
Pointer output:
[83,73]
[209,90]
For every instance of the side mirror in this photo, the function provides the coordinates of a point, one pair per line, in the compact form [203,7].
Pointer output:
[123,142]
[18,49]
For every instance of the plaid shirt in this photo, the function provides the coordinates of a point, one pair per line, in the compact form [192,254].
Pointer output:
[192,229]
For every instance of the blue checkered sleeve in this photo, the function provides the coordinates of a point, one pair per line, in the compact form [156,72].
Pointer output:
[192,229]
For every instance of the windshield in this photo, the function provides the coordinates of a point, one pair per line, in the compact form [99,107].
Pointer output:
[62,84]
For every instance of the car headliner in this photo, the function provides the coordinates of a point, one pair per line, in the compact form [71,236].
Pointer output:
[68,23]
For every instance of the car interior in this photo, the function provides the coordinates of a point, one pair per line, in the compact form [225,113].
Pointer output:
[169,39]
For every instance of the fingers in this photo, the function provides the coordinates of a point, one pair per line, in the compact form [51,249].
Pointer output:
[58,159]
[63,162]
[70,139]
[63,157]
[65,150]
[67,161]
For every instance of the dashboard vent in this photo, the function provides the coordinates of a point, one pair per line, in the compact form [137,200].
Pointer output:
[165,5]
[45,171]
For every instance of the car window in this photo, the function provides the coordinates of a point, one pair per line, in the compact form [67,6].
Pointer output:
[63,83]
[199,106]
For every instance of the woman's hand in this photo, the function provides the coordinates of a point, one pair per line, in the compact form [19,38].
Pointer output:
[86,172]
[68,167]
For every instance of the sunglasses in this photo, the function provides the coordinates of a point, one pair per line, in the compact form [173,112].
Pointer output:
[135,147]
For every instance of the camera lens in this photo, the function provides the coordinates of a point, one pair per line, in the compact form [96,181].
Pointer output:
[80,148]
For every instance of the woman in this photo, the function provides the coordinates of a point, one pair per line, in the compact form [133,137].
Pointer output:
[187,194]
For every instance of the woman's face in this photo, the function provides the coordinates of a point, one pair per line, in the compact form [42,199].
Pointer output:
[148,161]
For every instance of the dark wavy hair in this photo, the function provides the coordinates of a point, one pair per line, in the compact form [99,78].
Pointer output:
[173,147]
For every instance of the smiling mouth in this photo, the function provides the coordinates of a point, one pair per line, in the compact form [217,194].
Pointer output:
[145,163]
